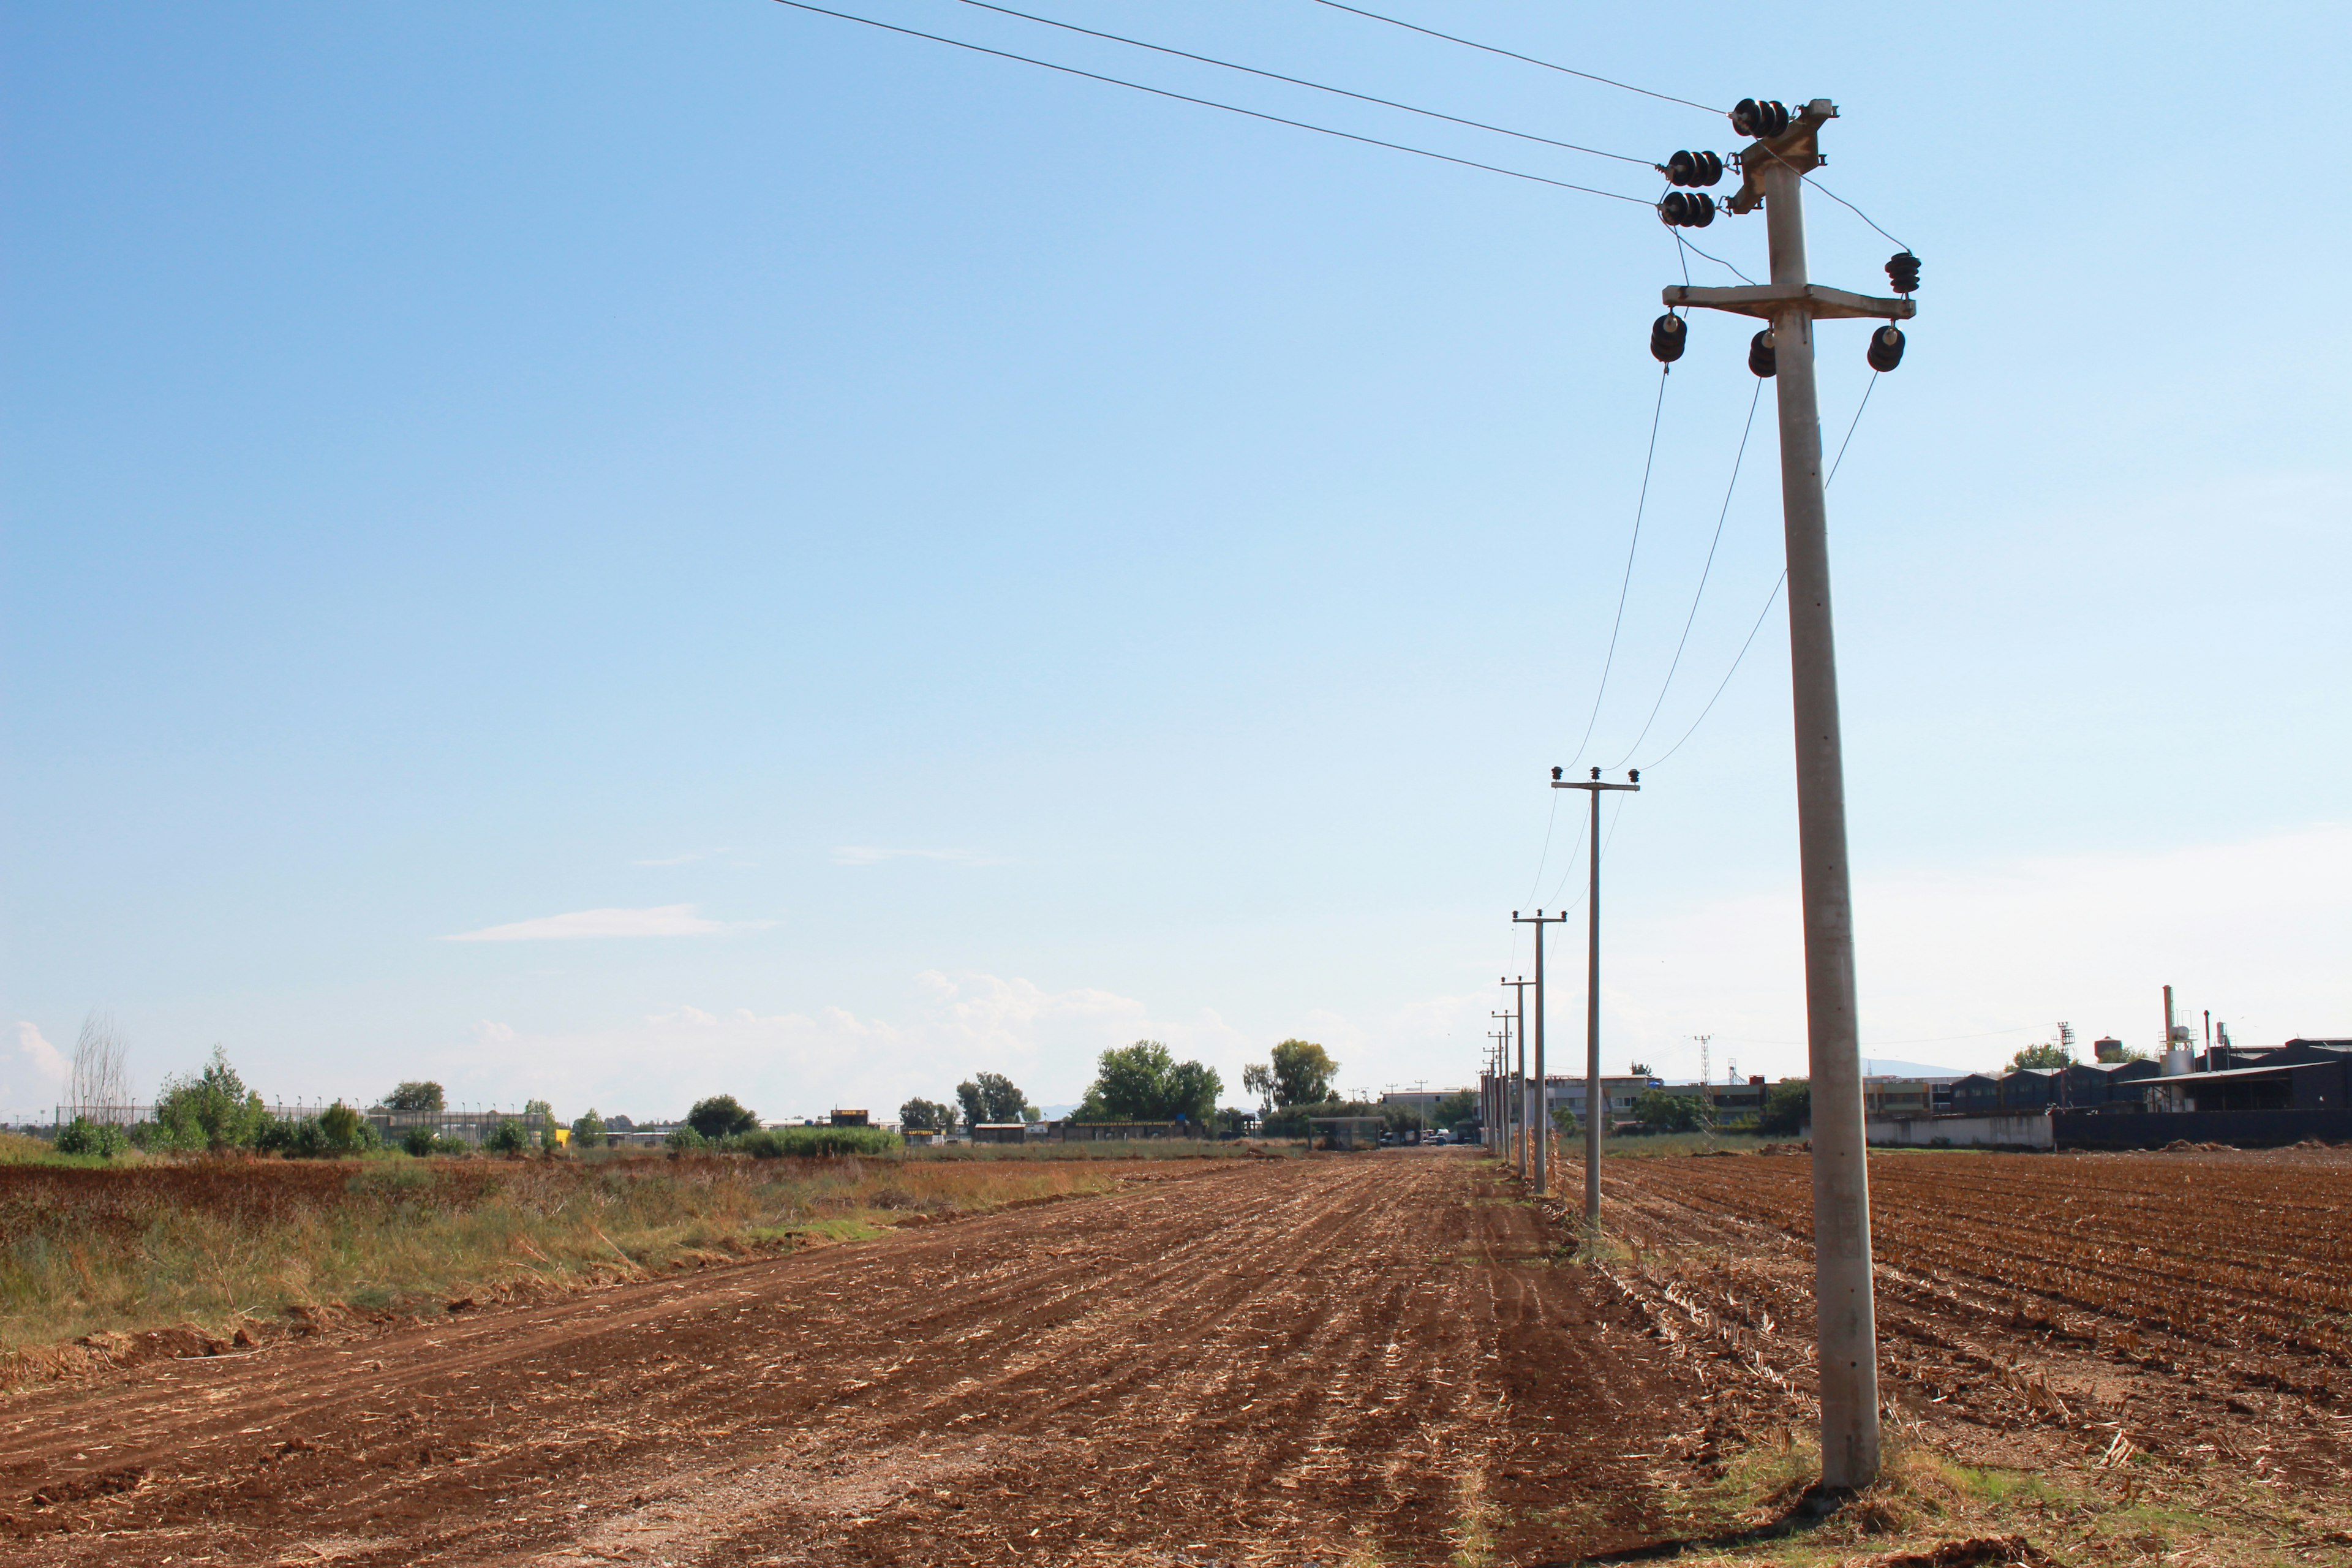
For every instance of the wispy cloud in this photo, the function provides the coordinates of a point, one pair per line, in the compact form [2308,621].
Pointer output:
[667,919]
[871,855]
[688,858]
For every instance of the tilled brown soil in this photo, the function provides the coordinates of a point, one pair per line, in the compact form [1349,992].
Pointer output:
[1989,1347]
[1259,1362]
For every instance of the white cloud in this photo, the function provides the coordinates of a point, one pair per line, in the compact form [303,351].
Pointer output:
[46,1060]
[871,855]
[950,1026]
[667,920]
[2255,929]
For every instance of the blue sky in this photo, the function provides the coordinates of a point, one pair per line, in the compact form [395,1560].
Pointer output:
[832,562]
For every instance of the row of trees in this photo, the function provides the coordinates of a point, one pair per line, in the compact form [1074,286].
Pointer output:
[984,1097]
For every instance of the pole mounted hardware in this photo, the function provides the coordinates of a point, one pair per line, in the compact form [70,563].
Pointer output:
[1692,169]
[1760,355]
[1687,209]
[1668,337]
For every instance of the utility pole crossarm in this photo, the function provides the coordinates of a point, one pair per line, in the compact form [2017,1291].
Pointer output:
[1768,299]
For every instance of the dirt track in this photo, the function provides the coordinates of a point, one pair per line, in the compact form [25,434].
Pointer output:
[1226,1362]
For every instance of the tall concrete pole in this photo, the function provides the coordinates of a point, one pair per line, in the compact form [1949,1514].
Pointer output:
[1847,1348]
[1772,172]
[1538,1113]
[1519,1142]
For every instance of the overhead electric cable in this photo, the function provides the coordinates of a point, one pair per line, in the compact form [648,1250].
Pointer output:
[1718,260]
[1729,490]
[1648,462]
[1852,208]
[1301,81]
[1778,583]
[1212,103]
[1514,54]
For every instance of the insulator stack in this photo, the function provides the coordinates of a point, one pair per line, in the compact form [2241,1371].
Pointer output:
[1902,271]
[1885,348]
[1694,168]
[1767,119]
[1761,357]
[1687,209]
[1668,337]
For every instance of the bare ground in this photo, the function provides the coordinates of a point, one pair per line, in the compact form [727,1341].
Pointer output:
[1369,1358]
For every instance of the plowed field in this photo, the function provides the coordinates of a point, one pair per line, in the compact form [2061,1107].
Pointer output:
[1230,1362]
[2039,1309]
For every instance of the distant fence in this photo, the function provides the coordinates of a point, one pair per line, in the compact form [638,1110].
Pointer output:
[129,1115]
[2022,1132]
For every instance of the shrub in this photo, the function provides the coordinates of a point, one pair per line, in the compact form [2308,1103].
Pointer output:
[214,1110]
[507,1138]
[721,1116]
[588,1131]
[685,1140]
[777,1143]
[83,1136]
[418,1141]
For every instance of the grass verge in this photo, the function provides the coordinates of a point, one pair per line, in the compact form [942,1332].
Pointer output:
[218,1245]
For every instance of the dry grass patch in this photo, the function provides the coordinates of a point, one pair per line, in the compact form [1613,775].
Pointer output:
[219,1243]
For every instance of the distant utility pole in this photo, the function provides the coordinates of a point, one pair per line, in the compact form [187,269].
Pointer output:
[1520,986]
[1506,1020]
[1706,1088]
[1596,1107]
[1772,174]
[1539,1114]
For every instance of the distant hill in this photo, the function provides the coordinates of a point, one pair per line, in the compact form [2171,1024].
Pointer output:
[1885,1067]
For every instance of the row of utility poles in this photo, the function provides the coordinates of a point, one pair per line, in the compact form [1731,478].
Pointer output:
[1772,167]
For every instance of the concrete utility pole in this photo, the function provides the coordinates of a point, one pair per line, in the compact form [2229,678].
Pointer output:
[1773,171]
[1596,1105]
[1537,1114]
[1504,1018]
[1521,985]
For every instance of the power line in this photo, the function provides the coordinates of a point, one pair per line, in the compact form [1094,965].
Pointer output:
[1212,103]
[1718,260]
[1729,490]
[1769,599]
[1641,505]
[1852,208]
[1514,54]
[1301,81]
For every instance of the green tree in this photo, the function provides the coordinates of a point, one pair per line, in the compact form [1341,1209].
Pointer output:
[920,1115]
[508,1137]
[2045,1055]
[1143,1082]
[417,1094]
[1455,1111]
[212,1110]
[993,1096]
[588,1131]
[721,1116]
[343,1130]
[1300,1074]
[1788,1108]
[418,1141]
[1658,1112]
[685,1140]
